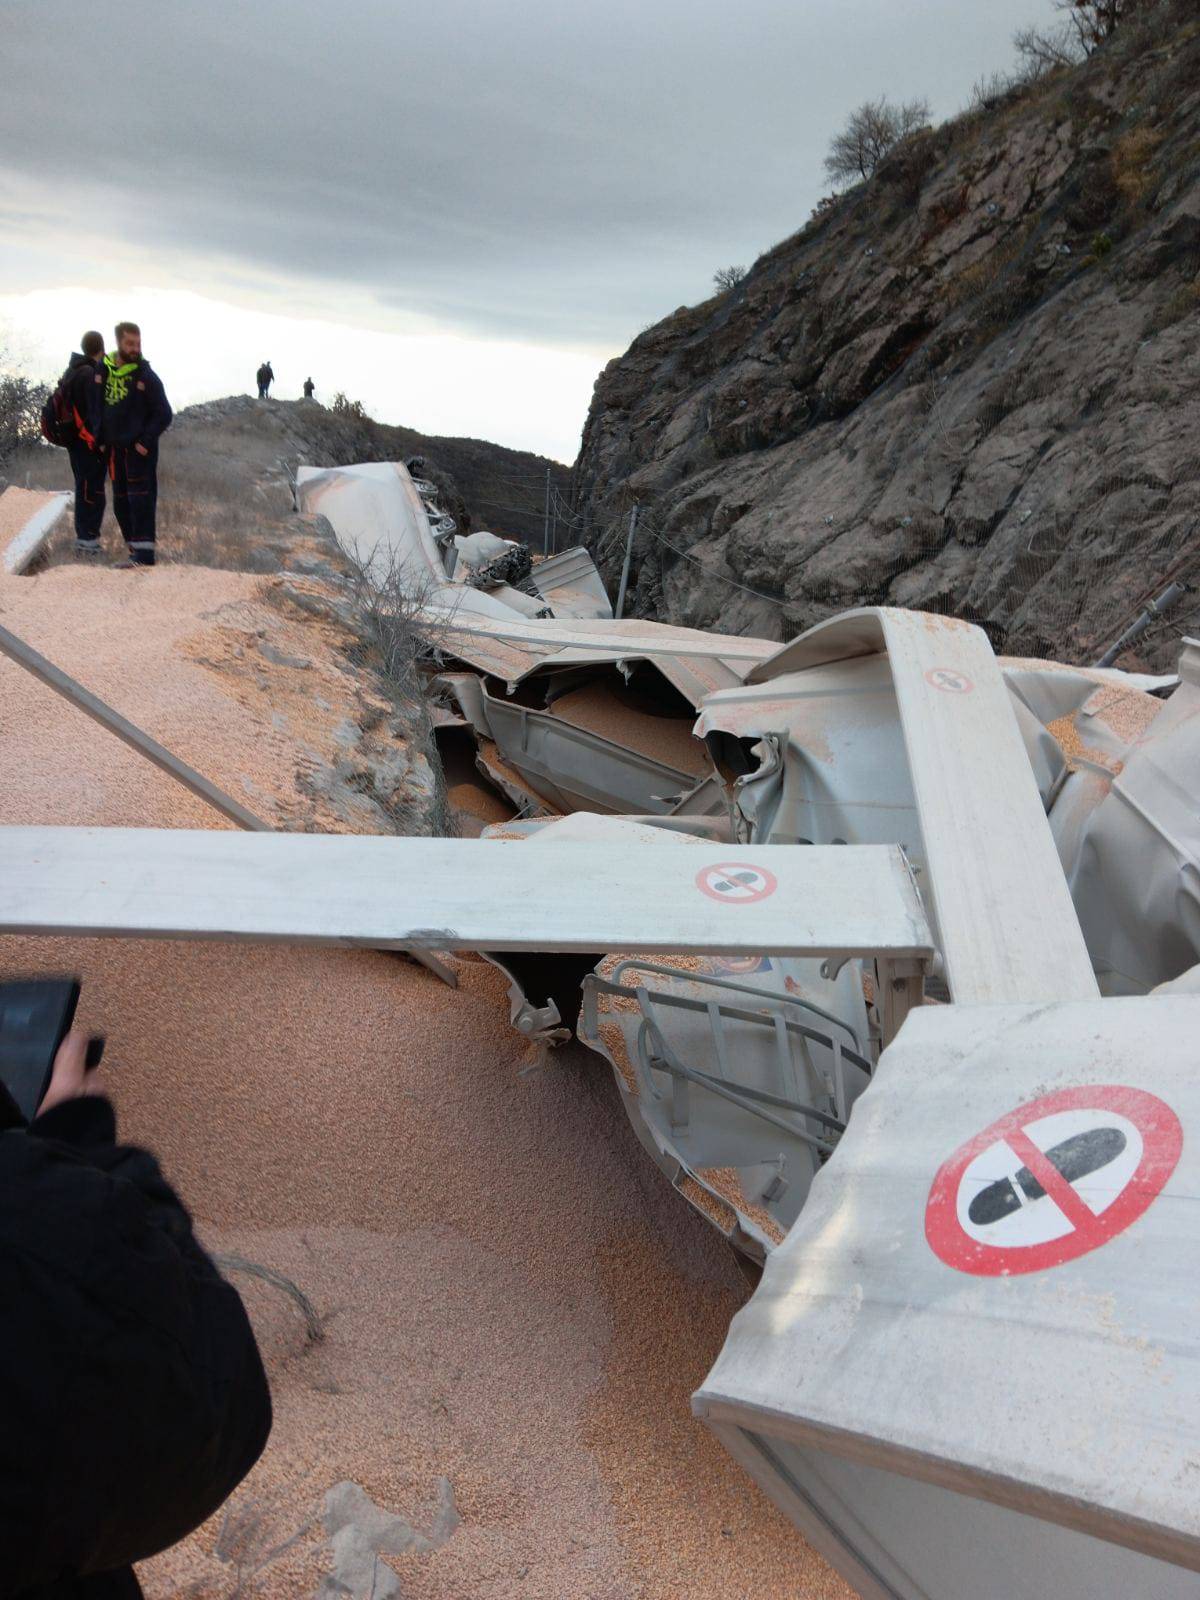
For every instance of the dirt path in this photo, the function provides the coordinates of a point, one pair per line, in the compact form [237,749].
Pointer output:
[512,1299]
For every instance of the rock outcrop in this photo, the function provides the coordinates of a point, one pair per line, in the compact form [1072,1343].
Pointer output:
[971,385]
[482,485]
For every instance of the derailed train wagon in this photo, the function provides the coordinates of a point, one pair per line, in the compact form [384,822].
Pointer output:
[902,992]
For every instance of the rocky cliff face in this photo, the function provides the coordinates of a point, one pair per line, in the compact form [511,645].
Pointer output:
[973,384]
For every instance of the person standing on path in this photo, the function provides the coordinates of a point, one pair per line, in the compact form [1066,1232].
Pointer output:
[136,413]
[84,381]
[265,379]
[309,386]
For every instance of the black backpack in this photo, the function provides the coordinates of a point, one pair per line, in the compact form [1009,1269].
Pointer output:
[58,414]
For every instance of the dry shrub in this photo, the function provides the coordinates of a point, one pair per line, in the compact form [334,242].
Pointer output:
[984,277]
[1130,161]
[37,466]
[400,630]
[906,166]
[214,507]
[213,510]
[1182,303]
[1093,196]
[943,212]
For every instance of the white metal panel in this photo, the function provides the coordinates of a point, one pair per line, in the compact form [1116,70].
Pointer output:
[32,535]
[1007,928]
[851,633]
[1006,922]
[1130,843]
[1115,677]
[1066,1390]
[622,639]
[656,828]
[378,518]
[594,825]
[573,585]
[456,894]
[382,524]
[517,601]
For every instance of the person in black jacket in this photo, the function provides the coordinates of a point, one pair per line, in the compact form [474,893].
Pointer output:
[136,413]
[132,1397]
[85,380]
[265,378]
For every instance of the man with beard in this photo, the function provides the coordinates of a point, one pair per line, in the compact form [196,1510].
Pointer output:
[136,413]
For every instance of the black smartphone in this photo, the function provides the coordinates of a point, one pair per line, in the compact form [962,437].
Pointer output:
[35,1017]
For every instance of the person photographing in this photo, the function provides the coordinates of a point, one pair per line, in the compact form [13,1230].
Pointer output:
[136,414]
[133,1397]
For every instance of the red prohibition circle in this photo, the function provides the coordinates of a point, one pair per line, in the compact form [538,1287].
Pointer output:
[949,680]
[1162,1145]
[736,883]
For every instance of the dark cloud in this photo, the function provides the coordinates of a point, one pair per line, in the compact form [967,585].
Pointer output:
[557,171]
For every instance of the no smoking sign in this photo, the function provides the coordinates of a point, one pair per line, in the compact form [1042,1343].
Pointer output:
[948,680]
[737,883]
[1052,1180]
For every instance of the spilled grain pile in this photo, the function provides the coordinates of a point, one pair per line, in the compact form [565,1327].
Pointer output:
[514,1307]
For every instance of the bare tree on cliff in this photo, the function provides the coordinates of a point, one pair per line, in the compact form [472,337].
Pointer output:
[20,407]
[1085,25]
[872,130]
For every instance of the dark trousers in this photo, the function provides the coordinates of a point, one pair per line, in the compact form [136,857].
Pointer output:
[88,467]
[120,1585]
[262,391]
[135,498]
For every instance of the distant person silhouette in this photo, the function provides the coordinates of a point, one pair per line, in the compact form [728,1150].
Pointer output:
[309,386]
[265,378]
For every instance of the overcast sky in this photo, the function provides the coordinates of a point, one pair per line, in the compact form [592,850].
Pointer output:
[456,212]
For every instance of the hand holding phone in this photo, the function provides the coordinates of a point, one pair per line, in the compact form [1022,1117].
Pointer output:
[73,1073]
[43,1063]
[35,1017]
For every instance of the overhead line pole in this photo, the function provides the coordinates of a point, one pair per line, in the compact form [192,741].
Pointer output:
[633,516]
